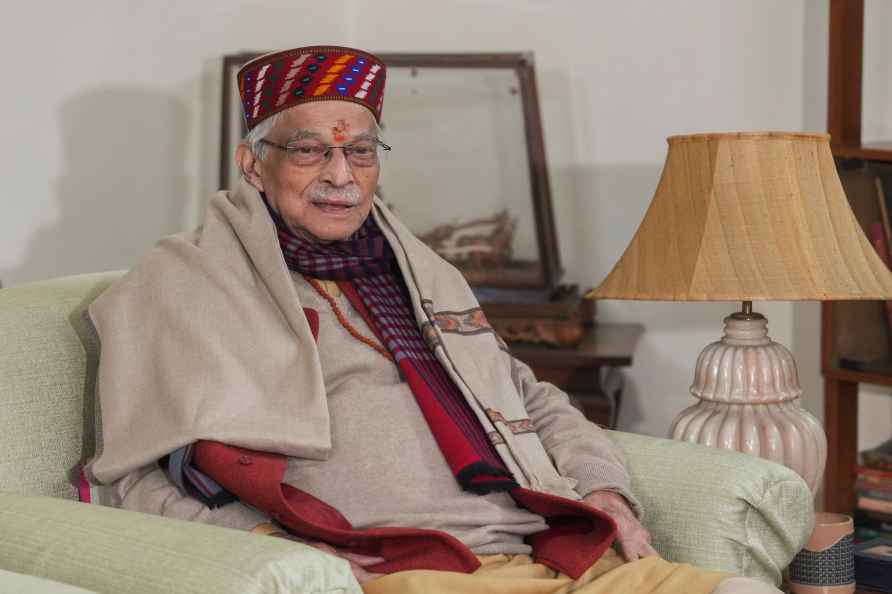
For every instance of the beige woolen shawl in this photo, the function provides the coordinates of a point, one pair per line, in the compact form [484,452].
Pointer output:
[206,339]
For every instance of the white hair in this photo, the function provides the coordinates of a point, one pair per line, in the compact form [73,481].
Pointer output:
[258,133]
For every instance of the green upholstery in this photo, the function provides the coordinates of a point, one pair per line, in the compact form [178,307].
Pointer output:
[112,550]
[718,509]
[17,582]
[46,383]
[715,509]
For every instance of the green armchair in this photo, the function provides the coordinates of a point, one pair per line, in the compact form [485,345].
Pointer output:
[712,508]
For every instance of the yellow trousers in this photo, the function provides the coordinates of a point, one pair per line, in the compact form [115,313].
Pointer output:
[519,574]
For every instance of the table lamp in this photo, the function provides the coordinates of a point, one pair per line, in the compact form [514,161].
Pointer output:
[746,217]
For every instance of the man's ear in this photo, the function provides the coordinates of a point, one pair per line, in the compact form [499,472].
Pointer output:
[249,165]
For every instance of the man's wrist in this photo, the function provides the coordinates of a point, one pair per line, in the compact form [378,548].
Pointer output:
[610,499]
[616,495]
[607,492]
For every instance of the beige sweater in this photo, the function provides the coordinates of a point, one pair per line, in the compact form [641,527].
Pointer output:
[385,468]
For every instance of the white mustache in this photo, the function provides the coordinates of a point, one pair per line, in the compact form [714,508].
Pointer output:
[347,196]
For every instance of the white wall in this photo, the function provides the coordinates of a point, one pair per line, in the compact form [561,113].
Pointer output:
[877,84]
[111,130]
[110,117]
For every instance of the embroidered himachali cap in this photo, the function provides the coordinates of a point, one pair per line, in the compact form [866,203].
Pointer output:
[274,82]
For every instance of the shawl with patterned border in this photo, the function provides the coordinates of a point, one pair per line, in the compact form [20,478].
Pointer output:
[367,261]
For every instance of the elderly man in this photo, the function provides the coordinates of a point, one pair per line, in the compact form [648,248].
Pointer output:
[302,366]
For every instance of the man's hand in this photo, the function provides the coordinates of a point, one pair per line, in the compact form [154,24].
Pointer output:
[634,539]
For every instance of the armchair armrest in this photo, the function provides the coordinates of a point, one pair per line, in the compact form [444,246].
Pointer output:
[17,582]
[718,509]
[110,550]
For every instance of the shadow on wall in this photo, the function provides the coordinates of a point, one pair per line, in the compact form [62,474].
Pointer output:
[123,185]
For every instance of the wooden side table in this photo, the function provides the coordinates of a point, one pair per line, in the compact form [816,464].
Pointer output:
[589,371]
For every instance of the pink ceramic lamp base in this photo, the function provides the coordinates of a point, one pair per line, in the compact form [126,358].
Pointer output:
[748,391]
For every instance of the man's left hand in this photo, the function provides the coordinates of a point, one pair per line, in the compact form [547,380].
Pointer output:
[634,539]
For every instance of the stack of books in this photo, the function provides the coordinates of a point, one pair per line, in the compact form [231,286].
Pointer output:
[873,512]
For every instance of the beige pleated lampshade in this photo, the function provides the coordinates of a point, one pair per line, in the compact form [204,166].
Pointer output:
[746,217]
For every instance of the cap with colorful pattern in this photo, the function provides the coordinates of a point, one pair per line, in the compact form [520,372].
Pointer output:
[274,82]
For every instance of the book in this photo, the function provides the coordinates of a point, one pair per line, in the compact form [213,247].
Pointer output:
[865,533]
[876,521]
[875,494]
[879,457]
[872,484]
[873,564]
[874,504]
[880,241]
[860,329]
[875,475]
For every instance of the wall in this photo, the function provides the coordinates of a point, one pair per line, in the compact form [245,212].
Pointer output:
[110,121]
[877,105]
[807,316]
[111,134]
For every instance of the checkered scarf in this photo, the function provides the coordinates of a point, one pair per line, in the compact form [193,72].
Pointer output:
[366,268]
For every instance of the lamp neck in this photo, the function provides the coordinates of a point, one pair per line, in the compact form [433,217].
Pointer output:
[746,312]
[741,330]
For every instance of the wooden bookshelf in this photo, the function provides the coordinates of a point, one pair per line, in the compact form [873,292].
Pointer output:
[869,151]
[846,46]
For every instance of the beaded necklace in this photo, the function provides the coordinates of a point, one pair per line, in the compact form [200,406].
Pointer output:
[346,323]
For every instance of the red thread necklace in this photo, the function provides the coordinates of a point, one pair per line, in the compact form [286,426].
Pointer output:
[346,323]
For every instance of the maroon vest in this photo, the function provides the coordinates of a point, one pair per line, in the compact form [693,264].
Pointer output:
[576,537]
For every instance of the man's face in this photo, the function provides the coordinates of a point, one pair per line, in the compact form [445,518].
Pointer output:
[328,200]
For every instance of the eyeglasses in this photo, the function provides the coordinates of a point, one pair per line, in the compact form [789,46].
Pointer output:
[306,153]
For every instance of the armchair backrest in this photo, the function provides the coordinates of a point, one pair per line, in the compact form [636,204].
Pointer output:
[48,359]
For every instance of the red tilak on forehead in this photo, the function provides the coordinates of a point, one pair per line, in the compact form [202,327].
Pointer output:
[339,131]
